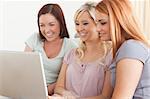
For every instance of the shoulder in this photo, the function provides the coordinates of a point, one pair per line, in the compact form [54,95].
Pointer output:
[72,52]
[133,45]
[70,43]
[69,56]
[133,49]
[70,40]
[35,37]
[134,42]
[33,41]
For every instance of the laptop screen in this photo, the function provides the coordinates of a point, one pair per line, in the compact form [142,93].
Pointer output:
[22,75]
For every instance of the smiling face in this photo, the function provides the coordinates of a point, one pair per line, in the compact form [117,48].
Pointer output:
[85,27]
[49,27]
[103,26]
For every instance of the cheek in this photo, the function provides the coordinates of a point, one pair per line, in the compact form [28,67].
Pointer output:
[57,29]
[93,29]
[54,29]
[42,29]
[77,28]
[106,28]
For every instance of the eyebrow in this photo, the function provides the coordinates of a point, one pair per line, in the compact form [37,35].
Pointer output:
[49,22]
[81,21]
[84,21]
[105,19]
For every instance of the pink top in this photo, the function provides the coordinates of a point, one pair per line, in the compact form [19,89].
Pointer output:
[85,79]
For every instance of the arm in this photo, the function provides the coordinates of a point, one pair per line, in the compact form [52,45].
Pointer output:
[128,73]
[60,85]
[27,49]
[107,88]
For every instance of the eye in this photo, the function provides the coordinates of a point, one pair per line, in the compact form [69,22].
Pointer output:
[103,23]
[76,23]
[41,25]
[51,24]
[85,23]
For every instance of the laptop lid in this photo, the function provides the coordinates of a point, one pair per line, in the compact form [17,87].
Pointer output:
[22,75]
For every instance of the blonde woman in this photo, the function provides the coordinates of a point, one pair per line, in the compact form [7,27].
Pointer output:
[84,69]
[131,52]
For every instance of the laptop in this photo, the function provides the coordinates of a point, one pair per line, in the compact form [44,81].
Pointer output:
[22,75]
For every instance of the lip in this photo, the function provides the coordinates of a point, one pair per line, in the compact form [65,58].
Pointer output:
[82,34]
[49,34]
[101,34]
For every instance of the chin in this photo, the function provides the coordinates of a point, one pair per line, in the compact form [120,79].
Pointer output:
[105,39]
[50,39]
[83,40]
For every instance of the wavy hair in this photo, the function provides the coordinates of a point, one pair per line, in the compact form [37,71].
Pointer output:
[90,8]
[123,24]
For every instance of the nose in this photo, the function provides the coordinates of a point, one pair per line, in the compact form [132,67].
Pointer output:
[98,28]
[47,29]
[79,28]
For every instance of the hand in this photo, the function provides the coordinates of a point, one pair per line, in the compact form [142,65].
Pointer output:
[69,95]
[50,88]
[55,97]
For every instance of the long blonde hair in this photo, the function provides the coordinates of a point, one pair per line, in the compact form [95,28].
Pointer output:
[90,8]
[123,23]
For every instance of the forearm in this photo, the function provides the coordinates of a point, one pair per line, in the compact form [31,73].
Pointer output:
[28,49]
[59,90]
[96,97]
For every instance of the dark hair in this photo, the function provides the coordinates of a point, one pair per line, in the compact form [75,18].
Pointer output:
[57,12]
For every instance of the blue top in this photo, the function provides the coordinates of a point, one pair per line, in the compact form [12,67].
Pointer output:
[51,66]
[135,50]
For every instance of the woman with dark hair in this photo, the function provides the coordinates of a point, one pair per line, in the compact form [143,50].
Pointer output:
[56,11]
[51,41]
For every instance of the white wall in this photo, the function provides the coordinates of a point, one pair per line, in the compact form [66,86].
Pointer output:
[1,25]
[19,20]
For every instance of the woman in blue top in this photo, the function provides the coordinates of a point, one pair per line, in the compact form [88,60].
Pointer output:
[51,41]
[131,51]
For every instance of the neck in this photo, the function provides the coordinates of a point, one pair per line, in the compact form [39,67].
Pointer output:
[92,45]
[54,42]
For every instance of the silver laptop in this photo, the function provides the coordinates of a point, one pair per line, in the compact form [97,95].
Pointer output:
[22,75]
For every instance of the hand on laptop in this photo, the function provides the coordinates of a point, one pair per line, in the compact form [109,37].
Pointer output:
[69,95]
[50,88]
[55,97]
[61,97]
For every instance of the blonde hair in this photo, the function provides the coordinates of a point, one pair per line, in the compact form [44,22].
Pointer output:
[90,8]
[123,23]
